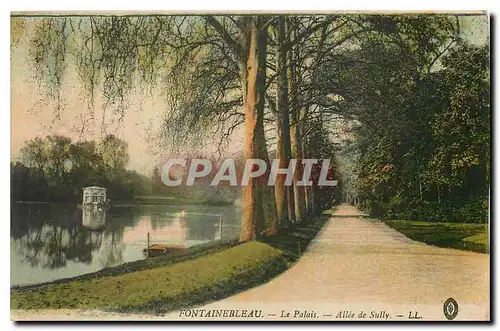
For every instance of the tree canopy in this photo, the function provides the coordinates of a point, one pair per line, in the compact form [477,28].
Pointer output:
[401,102]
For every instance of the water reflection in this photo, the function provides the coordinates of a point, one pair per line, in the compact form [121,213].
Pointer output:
[53,241]
[49,242]
[182,229]
[166,228]
[93,217]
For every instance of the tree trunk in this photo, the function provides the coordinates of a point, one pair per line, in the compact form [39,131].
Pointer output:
[292,92]
[420,189]
[284,194]
[296,144]
[299,191]
[307,189]
[280,189]
[439,193]
[258,201]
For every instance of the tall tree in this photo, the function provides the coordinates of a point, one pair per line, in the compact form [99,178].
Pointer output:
[282,125]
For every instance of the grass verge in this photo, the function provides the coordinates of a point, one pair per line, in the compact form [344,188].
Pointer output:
[154,262]
[157,286]
[464,236]
[160,289]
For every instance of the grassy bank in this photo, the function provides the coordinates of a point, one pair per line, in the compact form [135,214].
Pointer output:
[157,285]
[465,236]
[155,262]
[163,288]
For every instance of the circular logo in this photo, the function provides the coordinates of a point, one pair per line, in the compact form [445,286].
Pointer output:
[450,308]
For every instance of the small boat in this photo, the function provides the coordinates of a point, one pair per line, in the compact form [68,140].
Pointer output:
[161,249]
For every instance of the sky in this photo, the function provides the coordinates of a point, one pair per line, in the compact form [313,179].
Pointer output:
[33,114]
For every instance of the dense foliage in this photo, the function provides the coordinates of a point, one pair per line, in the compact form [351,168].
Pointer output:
[422,149]
[56,169]
[405,97]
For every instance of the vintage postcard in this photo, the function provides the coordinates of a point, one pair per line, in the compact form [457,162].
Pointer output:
[251,166]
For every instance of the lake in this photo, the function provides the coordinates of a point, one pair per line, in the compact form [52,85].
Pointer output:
[51,241]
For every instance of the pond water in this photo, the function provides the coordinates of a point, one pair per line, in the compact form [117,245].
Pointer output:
[49,241]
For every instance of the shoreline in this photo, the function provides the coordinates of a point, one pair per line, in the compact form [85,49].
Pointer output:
[141,264]
[144,264]
[159,201]
[157,285]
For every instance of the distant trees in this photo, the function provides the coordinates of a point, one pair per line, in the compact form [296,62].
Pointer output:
[156,182]
[55,169]
[114,153]
[202,188]
[27,183]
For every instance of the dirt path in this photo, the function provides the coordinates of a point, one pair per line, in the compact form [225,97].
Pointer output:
[359,266]
[357,263]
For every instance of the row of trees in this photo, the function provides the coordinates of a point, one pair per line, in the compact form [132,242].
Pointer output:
[225,191]
[56,169]
[285,81]
[211,68]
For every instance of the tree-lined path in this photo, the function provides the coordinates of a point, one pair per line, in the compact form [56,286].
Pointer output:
[395,108]
[363,261]
[354,264]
